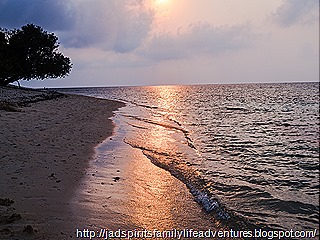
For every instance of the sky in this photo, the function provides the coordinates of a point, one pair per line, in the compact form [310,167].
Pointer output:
[174,42]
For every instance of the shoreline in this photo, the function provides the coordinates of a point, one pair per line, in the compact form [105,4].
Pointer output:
[66,169]
[123,191]
[47,146]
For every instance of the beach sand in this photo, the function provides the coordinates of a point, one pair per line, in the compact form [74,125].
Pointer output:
[45,150]
[65,169]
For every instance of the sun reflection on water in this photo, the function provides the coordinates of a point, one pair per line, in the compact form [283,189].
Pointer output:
[156,194]
[151,191]
[167,96]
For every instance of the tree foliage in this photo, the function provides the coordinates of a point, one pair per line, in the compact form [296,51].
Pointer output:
[30,53]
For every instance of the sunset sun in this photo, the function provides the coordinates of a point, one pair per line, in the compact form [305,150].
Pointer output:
[161,2]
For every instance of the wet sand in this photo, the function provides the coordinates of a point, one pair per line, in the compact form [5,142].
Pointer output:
[124,191]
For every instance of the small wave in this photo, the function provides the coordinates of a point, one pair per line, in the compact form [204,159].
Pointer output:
[140,105]
[292,207]
[236,109]
[293,155]
[135,126]
[168,126]
[174,120]
[205,199]
[208,203]
[156,123]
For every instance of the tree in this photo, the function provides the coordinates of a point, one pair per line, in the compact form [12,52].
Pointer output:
[30,53]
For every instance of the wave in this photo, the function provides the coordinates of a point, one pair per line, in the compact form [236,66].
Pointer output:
[195,183]
[185,132]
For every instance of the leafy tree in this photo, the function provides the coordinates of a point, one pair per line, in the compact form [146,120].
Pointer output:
[30,53]
[5,58]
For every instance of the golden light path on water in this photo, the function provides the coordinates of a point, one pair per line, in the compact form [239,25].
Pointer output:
[124,190]
[152,204]
[167,96]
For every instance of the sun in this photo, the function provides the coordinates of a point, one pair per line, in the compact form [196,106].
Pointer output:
[162,8]
[161,2]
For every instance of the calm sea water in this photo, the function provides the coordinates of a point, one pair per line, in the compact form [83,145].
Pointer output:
[247,151]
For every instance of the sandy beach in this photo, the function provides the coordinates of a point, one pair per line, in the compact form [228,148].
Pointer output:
[45,149]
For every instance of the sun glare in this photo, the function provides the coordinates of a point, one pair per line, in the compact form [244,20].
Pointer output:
[161,2]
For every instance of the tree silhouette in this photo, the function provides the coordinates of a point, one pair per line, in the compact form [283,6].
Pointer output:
[30,53]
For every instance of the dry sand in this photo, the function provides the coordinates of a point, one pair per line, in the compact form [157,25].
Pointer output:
[45,148]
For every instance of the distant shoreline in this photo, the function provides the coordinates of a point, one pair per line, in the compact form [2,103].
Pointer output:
[57,88]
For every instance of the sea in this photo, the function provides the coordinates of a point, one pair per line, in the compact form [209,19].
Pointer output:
[245,151]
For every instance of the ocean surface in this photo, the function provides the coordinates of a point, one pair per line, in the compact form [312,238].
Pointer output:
[248,151]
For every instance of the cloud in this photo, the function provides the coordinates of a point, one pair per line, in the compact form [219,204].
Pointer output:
[297,12]
[133,28]
[113,25]
[198,39]
[50,14]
